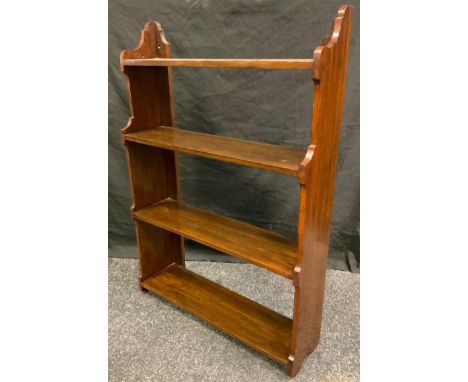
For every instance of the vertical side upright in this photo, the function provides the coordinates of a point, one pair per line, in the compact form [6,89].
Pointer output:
[153,172]
[317,181]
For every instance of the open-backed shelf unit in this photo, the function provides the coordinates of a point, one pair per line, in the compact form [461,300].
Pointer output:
[162,221]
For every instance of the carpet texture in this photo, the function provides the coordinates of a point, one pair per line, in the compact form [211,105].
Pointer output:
[152,340]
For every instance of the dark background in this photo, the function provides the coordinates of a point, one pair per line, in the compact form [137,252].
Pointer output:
[259,105]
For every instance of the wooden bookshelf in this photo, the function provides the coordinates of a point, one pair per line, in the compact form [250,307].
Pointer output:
[162,220]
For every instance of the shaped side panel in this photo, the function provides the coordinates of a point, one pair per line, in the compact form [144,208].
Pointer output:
[153,172]
[317,189]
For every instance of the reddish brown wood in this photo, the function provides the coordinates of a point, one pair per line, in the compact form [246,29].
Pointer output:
[253,324]
[153,178]
[288,64]
[280,159]
[252,244]
[153,172]
[161,219]
[317,188]
[149,88]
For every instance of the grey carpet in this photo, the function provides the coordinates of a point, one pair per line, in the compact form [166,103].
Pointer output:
[151,340]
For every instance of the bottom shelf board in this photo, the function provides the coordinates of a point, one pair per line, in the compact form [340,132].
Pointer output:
[249,322]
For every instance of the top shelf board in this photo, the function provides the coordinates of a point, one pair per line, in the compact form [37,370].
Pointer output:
[275,158]
[285,64]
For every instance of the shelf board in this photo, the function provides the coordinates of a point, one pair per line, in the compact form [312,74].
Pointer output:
[286,64]
[250,243]
[280,159]
[249,322]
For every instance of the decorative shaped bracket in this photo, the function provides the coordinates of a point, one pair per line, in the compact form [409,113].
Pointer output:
[149,89]
[153,44]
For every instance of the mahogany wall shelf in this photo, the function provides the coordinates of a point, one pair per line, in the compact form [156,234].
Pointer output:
[152,142]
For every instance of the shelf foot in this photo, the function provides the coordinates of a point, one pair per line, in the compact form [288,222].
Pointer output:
[294,365]
[295,360]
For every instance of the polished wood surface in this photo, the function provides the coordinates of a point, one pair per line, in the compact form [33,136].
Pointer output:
[149,88]
[250,243]
[152,142]
[153,172]
[317,188]
[285,64]
[253,324]
[280,159]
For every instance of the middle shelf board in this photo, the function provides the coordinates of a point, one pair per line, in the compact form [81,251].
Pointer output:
[250,243]
[275,158]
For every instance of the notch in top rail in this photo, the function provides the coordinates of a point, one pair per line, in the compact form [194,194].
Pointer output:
[285,64]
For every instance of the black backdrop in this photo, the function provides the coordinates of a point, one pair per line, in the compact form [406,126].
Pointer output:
[266,106]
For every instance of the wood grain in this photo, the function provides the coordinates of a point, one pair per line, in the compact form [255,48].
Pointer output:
[149,88]
[284,64]
[153,172]
[317,189]
[250,243]
[275,158]
[153,169]
[253,324]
